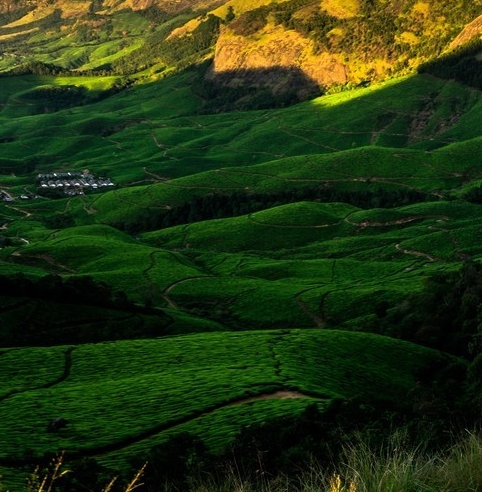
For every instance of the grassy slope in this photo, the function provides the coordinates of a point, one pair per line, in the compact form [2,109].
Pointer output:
[187,383]
[296,265]
[168,140]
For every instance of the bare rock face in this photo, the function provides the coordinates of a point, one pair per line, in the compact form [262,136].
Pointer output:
[469,32]
[239,59]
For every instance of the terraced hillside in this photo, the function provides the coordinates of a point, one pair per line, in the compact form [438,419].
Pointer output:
[174,260]
[323,215]
[121,399]
[304,217]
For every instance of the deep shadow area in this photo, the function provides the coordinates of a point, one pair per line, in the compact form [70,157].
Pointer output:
[257,88]
[43,98]
[53,311]
[463,65]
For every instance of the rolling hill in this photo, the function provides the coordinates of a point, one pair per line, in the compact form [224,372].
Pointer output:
[120,399]
[215,214]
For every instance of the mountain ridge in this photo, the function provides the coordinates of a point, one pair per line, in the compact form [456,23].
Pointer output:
[334,43]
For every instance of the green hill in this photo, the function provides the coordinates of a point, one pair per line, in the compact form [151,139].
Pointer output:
[197,236]
[122,398]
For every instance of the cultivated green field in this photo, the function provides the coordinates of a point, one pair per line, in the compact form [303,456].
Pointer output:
[121,398]
[270,242]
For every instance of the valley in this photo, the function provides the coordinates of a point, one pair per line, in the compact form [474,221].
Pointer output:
[190,254]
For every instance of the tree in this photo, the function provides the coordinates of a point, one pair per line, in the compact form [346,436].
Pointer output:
[230,14]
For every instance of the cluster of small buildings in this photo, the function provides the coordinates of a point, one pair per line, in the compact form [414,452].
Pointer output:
[73,183]
[69,183]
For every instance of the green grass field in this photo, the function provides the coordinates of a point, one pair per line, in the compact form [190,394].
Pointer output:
[121,398]
[241,265]
[342,211]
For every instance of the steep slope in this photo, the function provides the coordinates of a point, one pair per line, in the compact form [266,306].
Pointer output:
[338,42]
[292,48]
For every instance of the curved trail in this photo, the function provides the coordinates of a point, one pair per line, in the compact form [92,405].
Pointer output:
[286,226]
[65,374]
[165,292]
[155,177]
[25,212]
[387,223]
[48,259]
[367,223]
[319,322]
[281,393]
[417,253]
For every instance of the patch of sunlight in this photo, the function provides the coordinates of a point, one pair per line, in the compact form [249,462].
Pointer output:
[422,8]
[185,29]
[73,9]
[408,37]
[15,34]
[91,83]
[337,31]
[347,96]
[343,9]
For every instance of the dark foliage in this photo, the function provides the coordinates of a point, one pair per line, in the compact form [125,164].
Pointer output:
[36,67]
[98,312]
[174,462]
[230,14]
[58,221]
[251,21]
[217,205]
[446,315]
[12,14]
[474,195]
[20,166]
[461,65]
[84,475]
[56,98]
[155,14]
[287,445]
[180,52]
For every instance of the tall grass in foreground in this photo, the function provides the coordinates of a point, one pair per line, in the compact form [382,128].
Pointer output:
[361,468]
[47,480]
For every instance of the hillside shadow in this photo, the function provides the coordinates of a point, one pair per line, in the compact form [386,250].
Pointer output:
[257,88]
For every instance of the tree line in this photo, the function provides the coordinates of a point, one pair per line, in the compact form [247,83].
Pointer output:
[445,315]
[224,205]
[98,312]
[75,290]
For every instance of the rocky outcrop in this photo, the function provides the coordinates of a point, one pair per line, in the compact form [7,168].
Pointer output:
[469,32]
[238,59]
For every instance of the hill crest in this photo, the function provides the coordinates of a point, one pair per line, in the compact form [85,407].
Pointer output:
[333,43]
